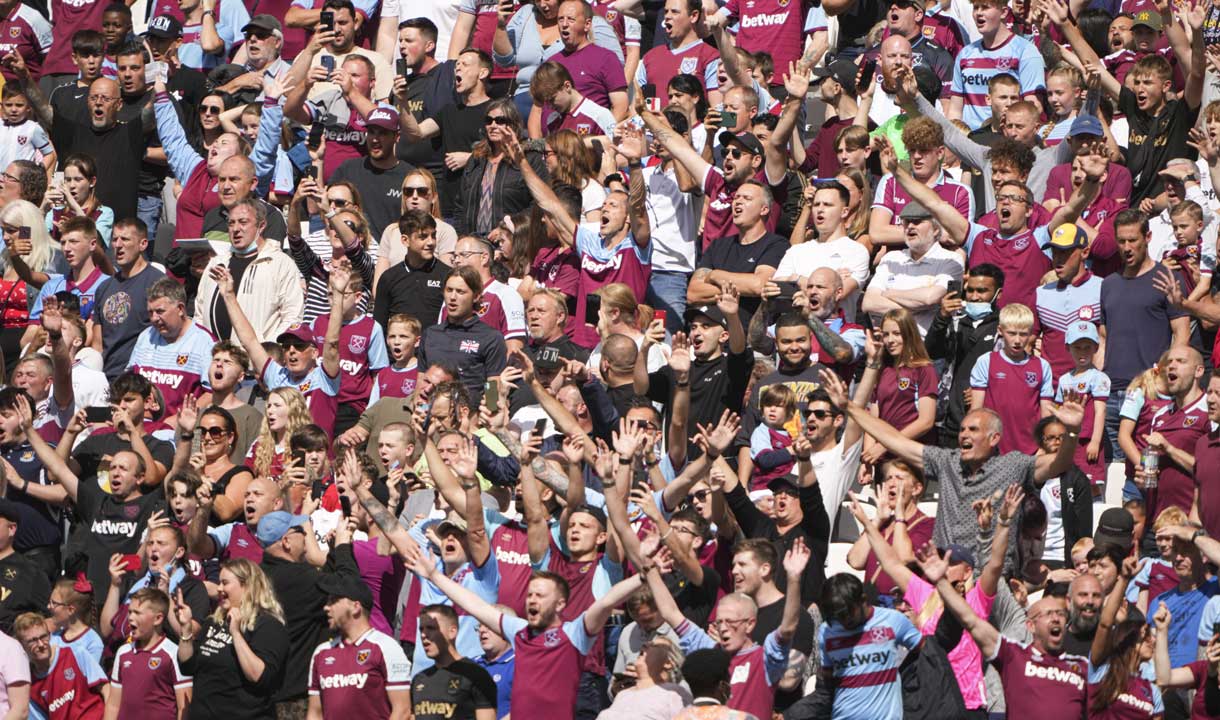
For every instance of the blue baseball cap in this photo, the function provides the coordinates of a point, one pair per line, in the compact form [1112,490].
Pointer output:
[273,526]
[1086,125]
[1081,330]
[961,554]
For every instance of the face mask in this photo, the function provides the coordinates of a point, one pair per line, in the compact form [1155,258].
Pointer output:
[977,310]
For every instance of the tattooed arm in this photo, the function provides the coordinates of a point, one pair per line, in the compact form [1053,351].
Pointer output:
[832,343]
[394,531]
[757,336]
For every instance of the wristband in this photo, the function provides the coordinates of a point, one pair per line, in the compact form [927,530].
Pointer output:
[900,520]
[186,436]
[209,12]
[1195,536]
[624,461]
[1004,523]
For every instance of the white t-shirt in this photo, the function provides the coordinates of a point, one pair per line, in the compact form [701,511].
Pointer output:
[1053,502]
[673,218]
[592,197]
[897,271]
[444,13]
[842,252]
[836,472]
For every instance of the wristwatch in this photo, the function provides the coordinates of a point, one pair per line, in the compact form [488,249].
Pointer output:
[1198,534]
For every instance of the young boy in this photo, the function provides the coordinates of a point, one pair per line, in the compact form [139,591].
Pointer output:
[1085,379]
[361,354]
[1013,383]
[1186,219]
[1157,574]
[88,49]
[21,138]
[770,441]
[402,339]
[146,681]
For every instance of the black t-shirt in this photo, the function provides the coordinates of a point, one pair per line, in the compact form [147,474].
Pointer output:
[380,190]
[418,292]
[40,521]
[221,690]
[121,306]
[453,692]
[118,152]
[111,526]
[461,127]
[89,453]
[1154,141]
[802,382]
[71,100]
[729,255]
[715,385]
[188,88]
[24,587]
[427,93]
[152,175]
[695,601]
[769,618]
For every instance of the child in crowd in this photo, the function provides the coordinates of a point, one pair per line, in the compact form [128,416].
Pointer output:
[1157,574]
[71,609]
[397,380]
[1187,220]
[158,687]
[1080,554]
[1013,383]
[770,441]
[21,138]
[1093,386]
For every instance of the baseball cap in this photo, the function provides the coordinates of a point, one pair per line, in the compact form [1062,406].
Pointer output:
[1116,527]
[1085,125]
[1081,330]
[164,26]
[961,554]
[914,210]
[296,331]
[453,522]
[263,21]
[273,526]
[346,585]
[711,312]
[783,484]
[1150,19]
[1069,237]
[9,511]
[597,513]
[746,140]
[383,117]
[843,71]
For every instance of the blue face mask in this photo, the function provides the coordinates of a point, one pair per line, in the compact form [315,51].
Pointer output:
[977,310]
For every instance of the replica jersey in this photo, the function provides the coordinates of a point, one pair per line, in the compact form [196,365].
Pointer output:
[864,663]
[352,679]
[976,65]
[178,369]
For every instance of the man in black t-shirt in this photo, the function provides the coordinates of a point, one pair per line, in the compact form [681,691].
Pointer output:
[24,587]
[416,285]
[428,88]
[746,260]
[378,175]
[455,688]
[129,395]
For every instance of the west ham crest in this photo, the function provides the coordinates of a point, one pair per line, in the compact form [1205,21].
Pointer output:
[357,343]
[1031,379]
[689,65]
[362,656]
[904,384]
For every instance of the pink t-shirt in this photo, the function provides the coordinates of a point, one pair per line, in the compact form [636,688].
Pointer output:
[966,659]
[14,668]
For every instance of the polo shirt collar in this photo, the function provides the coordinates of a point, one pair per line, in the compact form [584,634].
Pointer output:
[1084,278]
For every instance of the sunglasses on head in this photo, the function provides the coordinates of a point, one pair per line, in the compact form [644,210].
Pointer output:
[497,120]
[413,191]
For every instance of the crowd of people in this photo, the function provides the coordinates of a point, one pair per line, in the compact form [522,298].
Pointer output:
[648,359]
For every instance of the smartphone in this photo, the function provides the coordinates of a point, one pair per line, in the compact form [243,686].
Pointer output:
[650,96]
[23,232]
[788,289]
[327,18]
[659,315]
[728,119]
[132,563]
[346,503]
[540,427]
[314,141]
[101,414]
[491,392]
[298,456]
[328,62]
[311,172]
[955,287]
[401,65]
[868,71]
[593,307]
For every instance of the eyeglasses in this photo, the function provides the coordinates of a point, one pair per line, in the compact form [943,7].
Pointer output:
[214,431]
[1053,613]
[415,190]
[102,98]
[497,120]
[209,110]
[722,622]
[56,604]
[470,253]
[1011,198]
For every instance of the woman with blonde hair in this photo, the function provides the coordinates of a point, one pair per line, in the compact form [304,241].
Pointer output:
[620,314]
[237,658]
[925,602]
[569,161]
[286,412]
[1145,397]
[418,193]
[30,256]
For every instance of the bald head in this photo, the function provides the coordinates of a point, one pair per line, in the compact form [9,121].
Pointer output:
[742,602]
[895,53]
[104,101]
[619,352]
[826,277]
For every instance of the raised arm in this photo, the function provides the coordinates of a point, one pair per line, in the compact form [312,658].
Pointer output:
[540,190]
[1094,166]
[893,440]
[340,278]
[677,146]
[241,324]
[597,614]
[55,466]
[891,564]
[948,216]
[794,561]
[1071,414]
[934,569]
[1057,11]
[989,579]
[423,564]
[537,531]
[1110,609]
[796,83]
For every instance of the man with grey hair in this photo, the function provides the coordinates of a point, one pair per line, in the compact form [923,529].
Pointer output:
[917,277]
[270,296]
[236,181]
[972,472]
[264,43]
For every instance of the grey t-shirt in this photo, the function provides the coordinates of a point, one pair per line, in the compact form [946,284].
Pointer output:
[955,520]
[121,306]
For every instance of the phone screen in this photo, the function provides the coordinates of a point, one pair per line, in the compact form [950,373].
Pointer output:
[491,393]
[659,315]
[593,307]
[101,414]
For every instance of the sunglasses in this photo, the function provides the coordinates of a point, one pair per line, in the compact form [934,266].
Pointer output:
[821,414]
[258,34]
[339,202]
[734,152]
[215,431]
[209,110]
[702,495]
[413,191]
[497,120]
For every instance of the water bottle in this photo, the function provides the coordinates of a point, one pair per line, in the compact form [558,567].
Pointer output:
[1151,460]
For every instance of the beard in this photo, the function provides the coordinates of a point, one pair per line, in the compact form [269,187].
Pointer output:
[1081,623]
